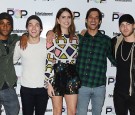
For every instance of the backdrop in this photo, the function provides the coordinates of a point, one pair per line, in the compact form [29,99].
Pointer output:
[47,9]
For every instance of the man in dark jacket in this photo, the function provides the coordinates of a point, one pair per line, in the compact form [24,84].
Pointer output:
[124,52]
[8,79]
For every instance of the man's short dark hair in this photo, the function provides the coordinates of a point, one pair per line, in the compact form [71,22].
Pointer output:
[36,18]
[8,17]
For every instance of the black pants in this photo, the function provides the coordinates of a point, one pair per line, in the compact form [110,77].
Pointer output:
[123,103]
[34,99]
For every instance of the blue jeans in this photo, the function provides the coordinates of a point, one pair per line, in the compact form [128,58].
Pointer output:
[9,99]
[97,97]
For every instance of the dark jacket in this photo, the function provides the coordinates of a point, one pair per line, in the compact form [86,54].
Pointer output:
[115,44]
[7,70]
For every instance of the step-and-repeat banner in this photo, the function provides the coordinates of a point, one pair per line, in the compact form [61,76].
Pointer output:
[47,9]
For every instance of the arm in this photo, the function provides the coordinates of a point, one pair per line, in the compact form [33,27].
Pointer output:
[49,68]
[83,32]
[17,54]
[23,41]
[50,35]
[110,52]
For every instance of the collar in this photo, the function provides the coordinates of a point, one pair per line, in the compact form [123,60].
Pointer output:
[98,34]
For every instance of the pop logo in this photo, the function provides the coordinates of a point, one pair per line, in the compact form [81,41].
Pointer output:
[109,110]
[116,15]
[76,14]
[111,80]
[17,13]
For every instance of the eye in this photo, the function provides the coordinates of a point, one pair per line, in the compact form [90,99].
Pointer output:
[69,17]
[128,24]
[9,24]
[1,23]
[29,25]
[63,17]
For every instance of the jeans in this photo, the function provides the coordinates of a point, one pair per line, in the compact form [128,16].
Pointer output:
[97,97]
[9,99]
[123,103]
[34,99]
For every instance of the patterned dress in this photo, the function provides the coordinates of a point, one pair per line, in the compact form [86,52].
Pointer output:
[62,52]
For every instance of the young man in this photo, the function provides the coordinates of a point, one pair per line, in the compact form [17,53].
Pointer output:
[124,52]
[33,94]
[8,79]
[94,49]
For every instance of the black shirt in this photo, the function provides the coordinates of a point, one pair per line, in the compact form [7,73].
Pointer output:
[123,67]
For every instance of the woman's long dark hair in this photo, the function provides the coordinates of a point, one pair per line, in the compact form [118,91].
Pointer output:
[57,28]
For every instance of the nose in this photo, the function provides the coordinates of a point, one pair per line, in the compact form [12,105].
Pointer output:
[125,26]
[33,27]
[93,19]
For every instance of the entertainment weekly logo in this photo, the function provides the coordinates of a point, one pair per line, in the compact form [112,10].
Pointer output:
[44,13]
[115,34]
[45,0]
[97,1]
[18,31]
[123,0]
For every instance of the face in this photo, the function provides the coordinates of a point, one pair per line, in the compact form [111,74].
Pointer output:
[34,28]
[64,20]
[93,21]
[126,29]
[5,27]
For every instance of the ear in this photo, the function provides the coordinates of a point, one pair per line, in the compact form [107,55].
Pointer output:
[134,25]
[100,22]
[86,21]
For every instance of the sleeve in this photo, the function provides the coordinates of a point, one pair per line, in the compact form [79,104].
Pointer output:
[49,72]
[110,53]
[14,38]
[16,55]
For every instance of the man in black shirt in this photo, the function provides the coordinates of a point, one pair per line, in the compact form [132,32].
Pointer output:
[124,52]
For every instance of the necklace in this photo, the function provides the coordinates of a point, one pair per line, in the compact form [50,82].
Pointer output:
[132,47]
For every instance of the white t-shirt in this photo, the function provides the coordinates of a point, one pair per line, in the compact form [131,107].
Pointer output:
[33,60]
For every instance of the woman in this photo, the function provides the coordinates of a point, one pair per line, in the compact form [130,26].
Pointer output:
[61,56]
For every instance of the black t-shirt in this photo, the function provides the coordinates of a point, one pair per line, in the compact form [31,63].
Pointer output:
[123,67]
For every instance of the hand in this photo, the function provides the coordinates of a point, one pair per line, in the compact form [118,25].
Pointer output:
[23,41]
[50,90]
[50,36]
[83,32]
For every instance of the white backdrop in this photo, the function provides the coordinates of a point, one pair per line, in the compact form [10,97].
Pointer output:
[47,9]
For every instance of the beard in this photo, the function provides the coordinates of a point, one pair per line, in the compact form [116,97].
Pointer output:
[128,34]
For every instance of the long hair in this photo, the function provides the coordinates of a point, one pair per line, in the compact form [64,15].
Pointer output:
[57,28]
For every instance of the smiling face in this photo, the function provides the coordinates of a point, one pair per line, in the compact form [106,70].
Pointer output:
[126,29]
[34,28]
[93,21]
[64,20]
[5,28]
